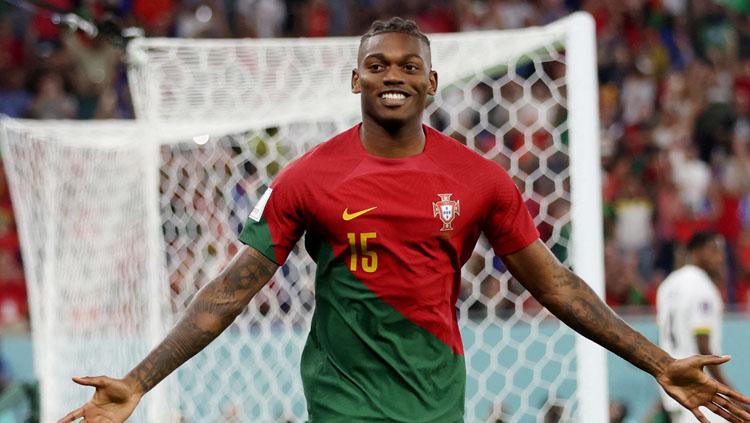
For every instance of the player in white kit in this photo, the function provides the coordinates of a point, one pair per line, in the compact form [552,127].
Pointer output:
[689,310]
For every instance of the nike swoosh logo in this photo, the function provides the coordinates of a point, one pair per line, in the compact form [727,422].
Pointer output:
[349,216]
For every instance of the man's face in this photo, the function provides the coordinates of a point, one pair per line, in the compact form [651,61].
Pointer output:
[714,258]
[393,76]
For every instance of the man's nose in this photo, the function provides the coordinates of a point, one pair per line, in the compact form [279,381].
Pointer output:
[393,76]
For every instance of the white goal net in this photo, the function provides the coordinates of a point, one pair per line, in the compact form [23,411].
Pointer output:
[122,222]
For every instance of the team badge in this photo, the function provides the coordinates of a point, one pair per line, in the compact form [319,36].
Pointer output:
[446,210]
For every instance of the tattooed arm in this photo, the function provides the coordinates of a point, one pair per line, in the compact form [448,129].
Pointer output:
[570,299]
[212,309]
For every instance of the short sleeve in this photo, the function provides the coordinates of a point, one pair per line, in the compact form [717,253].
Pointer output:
[509,226]
[704,313]
[276,223]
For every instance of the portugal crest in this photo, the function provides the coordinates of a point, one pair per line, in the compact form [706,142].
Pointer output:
[446,210]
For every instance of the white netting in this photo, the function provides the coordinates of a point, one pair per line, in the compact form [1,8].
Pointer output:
[85,217]
[230,114]
[257,83]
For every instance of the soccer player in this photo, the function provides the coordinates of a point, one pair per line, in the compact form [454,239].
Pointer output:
[392,209]
[689,312]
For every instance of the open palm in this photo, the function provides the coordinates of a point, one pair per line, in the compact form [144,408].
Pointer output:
[686,382]
[113,401]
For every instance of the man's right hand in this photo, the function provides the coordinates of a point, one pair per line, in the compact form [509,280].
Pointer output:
[212,309]
[113,401]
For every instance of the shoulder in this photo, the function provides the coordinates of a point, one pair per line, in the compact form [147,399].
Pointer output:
[339,146]
[336,149]
[680,280]
[445,144]
[684,273]
[694,281]
[451,154]
[698,277]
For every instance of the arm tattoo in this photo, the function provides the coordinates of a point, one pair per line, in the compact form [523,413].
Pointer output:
[570,299]
[210,312]
[576,304]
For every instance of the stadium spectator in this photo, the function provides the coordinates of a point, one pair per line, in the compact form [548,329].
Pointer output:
[318,18]
[513,14]
[260,18]
[13,308]
[11,47]
[52,101]
[634,235]
[201,19]
[155,16]
[743,272]
[14,98]
[94,70]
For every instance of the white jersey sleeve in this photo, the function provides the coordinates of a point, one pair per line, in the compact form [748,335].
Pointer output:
[704,310]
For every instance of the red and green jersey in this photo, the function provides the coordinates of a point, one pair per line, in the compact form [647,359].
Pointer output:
[389,236]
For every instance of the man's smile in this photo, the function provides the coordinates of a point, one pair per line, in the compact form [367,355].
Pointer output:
[393,98]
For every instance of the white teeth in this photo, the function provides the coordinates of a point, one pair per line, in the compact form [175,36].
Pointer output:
[393,96]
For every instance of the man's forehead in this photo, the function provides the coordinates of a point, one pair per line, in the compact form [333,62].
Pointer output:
[389,44]
[715,244]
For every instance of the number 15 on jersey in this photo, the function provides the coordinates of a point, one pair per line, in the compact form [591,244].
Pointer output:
[358,249]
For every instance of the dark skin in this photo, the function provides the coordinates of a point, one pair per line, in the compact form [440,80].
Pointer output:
[211,311]
[397,63]
[712,259]
[571,299]
[704,348]
[394,78]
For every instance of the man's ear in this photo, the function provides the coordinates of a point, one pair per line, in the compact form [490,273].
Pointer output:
[433,83]
[356,89]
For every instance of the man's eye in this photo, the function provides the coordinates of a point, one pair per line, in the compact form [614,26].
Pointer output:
[410,67]
[376,66]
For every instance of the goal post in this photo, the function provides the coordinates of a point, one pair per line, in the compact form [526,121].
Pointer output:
[216,121]
[83,196]
[586,201]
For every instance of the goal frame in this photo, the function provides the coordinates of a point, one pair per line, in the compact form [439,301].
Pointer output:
[586,249]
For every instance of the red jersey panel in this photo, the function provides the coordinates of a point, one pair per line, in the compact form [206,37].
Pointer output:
[402,228]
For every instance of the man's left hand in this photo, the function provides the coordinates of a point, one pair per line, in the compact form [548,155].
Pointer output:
[686,382]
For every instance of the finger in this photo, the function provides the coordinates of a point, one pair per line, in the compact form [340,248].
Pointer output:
[95,381]
[714,360]
[731,407]
[698,415]
[731,393]
[723,413]
[78,412]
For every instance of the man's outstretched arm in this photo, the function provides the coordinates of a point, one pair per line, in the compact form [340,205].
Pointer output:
[570,299]
[212,309]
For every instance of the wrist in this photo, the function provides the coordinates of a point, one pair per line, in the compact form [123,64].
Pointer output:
[134,385]
[662,365]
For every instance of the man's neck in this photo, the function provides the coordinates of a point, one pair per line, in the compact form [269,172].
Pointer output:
[402,141]
[695,262]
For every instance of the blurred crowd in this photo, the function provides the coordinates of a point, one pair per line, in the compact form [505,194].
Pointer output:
[674,102]
[675,117]
[13,307]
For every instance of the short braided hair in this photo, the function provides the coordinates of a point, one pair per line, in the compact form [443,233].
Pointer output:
[395,24]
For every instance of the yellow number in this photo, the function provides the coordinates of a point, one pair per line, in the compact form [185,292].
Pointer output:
[353,250]
[369,258]
[370,265]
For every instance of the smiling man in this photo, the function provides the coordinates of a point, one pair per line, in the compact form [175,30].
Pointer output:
[392,210]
